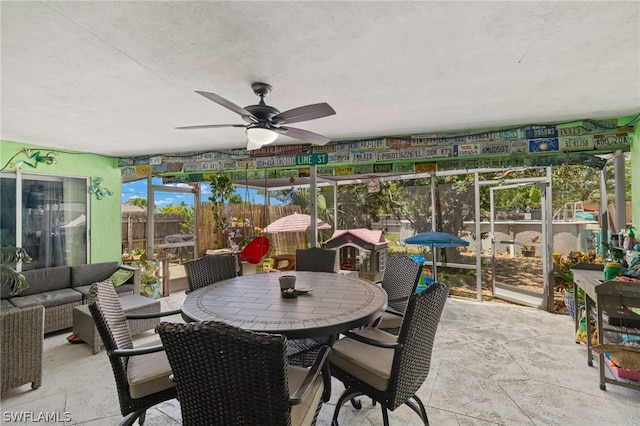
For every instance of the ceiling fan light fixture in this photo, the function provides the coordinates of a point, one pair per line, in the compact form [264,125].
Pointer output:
[261,136]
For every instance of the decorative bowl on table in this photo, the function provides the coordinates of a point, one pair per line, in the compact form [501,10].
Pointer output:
[289,293]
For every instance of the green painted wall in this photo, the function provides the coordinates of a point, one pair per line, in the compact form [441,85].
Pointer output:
[635,178]
[105,214]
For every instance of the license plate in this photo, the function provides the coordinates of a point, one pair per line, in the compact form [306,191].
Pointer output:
[576,143]
[608,141]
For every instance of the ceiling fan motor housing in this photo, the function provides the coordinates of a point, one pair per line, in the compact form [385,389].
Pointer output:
[262,112]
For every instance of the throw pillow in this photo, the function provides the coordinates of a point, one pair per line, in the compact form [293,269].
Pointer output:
[120,276]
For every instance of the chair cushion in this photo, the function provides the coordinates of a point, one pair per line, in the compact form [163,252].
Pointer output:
[371,364]
[48,298]
[304,413]
[388,320]
[148,374]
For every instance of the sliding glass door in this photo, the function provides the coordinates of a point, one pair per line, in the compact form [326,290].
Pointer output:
[47,216]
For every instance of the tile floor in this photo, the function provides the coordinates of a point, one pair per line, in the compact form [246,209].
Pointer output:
[493,364]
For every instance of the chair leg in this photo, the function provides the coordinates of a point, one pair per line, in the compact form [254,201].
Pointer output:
[419,409]
[356,403]
[131,418]
[348,395]
[385,416]
[142,418]
[128,420]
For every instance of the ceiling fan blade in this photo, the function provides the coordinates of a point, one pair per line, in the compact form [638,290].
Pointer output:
[228,104]
[302,135]
[304,113]
[209,126]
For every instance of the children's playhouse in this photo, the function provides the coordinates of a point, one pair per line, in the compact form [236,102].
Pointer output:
[360,251]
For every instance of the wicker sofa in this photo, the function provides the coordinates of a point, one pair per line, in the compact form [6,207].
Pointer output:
[21,339]
[61,288]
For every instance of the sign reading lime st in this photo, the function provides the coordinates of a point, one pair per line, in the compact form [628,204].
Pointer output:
[312,159]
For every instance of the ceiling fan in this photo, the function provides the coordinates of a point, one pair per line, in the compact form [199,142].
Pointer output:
[266,122]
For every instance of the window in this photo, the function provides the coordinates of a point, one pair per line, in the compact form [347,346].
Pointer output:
[47,216]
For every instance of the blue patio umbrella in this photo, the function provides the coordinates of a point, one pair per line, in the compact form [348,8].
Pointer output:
[435,240]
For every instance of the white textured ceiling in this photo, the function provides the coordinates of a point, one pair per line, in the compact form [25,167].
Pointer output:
[115,78]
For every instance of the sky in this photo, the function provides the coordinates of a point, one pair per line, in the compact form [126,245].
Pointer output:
[139,189]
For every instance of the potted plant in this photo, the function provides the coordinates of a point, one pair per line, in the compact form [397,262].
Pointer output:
[13,282]
[563,278]
[149,275]
[529,250]
[221,189]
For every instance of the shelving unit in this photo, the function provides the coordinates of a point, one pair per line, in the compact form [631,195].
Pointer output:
[611,295]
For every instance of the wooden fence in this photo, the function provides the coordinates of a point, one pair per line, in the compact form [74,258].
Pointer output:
[281,243]
[134,228]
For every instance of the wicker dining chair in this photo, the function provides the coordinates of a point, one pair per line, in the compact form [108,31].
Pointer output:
[401,277]
[228,376]
[387,368]
[209,269]
[316,259]
[303,351]
[141,374]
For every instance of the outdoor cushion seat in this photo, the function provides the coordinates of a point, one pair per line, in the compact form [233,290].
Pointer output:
[371,364]
[83,276]
[304,413]
[46,279]
[57,289]
[91,273]
[390,320]
[148,374]
[48,298]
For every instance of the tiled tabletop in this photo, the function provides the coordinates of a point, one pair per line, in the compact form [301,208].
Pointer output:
[253,302]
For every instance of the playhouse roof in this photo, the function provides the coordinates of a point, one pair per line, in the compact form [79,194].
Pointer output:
[366,235]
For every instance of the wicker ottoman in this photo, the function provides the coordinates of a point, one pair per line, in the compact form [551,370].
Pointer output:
[84,327]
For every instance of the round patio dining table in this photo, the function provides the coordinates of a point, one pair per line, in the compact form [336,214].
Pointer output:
[335,304]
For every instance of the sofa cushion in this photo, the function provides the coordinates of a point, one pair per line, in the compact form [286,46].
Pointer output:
[47,279]
[92,273]
[47,298]
[124,288]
